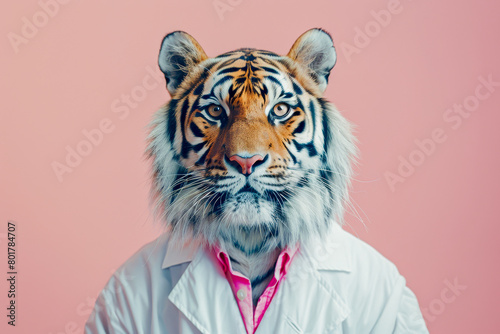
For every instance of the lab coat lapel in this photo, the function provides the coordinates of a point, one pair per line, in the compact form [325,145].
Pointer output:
[204,296]
[305,302]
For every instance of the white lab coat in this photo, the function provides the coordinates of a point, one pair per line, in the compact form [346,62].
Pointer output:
[339,286]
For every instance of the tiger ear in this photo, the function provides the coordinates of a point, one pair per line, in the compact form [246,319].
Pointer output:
[179,53]
[315,51]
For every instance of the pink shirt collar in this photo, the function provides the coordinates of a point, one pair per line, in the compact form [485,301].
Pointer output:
[242,290]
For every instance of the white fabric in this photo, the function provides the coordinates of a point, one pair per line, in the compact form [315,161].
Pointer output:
[341,286]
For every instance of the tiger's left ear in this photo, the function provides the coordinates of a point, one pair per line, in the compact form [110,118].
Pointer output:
[315,51]
[179,54]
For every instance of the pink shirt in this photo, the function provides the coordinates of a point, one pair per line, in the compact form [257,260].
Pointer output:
[242,288]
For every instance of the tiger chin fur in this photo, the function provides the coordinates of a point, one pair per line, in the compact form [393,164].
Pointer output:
[229,169]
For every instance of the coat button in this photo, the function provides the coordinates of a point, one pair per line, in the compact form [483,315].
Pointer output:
[241,294]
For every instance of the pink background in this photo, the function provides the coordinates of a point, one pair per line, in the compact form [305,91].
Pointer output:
[440,224]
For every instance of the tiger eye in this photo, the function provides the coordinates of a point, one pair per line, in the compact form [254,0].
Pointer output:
[214,110]
[281,109]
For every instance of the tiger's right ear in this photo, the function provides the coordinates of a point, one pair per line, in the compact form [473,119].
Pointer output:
[179,53]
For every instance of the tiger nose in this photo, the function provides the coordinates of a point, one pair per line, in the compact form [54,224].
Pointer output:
[246,164]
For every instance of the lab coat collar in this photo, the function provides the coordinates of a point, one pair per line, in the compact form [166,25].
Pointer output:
[331,253]
[304,288]
[180,252]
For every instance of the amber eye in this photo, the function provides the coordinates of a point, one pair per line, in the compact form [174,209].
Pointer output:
[214,110]
[281,109]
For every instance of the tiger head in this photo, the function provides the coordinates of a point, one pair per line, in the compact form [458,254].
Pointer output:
[247,151]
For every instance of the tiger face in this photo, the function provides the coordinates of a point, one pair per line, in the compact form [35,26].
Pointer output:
[247,151]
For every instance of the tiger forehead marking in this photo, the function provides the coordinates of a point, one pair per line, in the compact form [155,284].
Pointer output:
[245,83]
[248,152]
